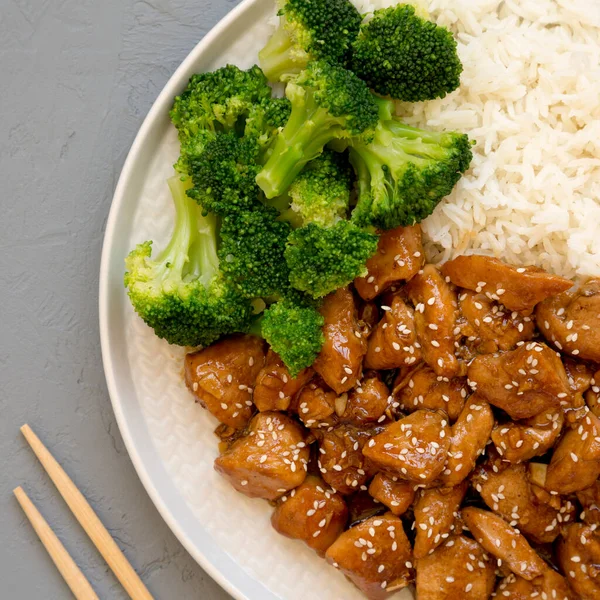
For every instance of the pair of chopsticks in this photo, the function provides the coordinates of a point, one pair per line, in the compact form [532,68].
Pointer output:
[83,512]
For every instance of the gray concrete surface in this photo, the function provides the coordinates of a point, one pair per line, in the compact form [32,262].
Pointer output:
[76,80]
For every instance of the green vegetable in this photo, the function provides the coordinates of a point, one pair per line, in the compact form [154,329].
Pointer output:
[404,172]
[309,30]
[252,253]
[321,193]
[401,55]
[323,259]
[181,293]
[294,331]
[328,102]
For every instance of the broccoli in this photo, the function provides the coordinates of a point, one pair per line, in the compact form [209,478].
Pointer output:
[404,172]
[323,259]
[401,55]
[294,331]
[309,30]
[224,101]
[181,293]
[328,102]
[321,193]
[224,174]
[252,252]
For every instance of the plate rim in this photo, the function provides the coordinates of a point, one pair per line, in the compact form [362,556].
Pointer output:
[209,564]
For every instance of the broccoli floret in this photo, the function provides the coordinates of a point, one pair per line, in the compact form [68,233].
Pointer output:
[404,172]
[252,252]
[323,259]
[328,102]
[294,331]
[216,102]
[321,193]
[401,55]
[224,174]
[181,293]
[309,30]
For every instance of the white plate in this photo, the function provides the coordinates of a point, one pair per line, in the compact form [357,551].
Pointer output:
[169,437]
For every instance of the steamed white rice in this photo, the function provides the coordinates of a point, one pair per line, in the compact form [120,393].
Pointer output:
[530,98]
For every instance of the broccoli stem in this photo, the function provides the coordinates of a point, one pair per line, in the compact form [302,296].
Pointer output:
[303,138]
[192,252]
[279,57]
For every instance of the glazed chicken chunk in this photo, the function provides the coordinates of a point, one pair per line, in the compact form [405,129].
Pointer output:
[396,494]
[414,448]
[575,464]
[375,555]
[367,403]
[469,437]
[436,316]
[570,321]
[519,441]
[508,492]
[518,289]
[275,387]
[221,377]
[458,569]
[269,460]
[398,258]
[589,498]
[313,513]
[578,555]
[340,361]
[549,585]
[489,326]
[422,388]
[504,542]
[341,460]
[435,511]
[393,342]
[316,405]
[523,382]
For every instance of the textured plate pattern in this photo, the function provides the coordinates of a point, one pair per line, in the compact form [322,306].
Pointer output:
[180,430]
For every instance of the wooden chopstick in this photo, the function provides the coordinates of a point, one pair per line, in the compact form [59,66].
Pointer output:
[80,586]
[88,519]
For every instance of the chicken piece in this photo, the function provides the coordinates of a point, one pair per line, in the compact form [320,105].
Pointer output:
[422,388]
[508,492]
[590,502]
[436,315]
[222,377]
[459,569]
[399,257]
[580,375]
[414,448]
[375,555]
[520,441]
[549,585]
[468,440]
[341,460]
[504,542]
[275,387]
[396,494]
[578,554]
[518,289]
[393,342]
[340,361]
[269,460]
[435,511]
[316,405]
[312,513]
[571,321]
[523,382]
[575,464]
[367,403]
[490,326]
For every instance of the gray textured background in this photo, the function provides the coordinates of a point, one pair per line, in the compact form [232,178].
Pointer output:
[78,77]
